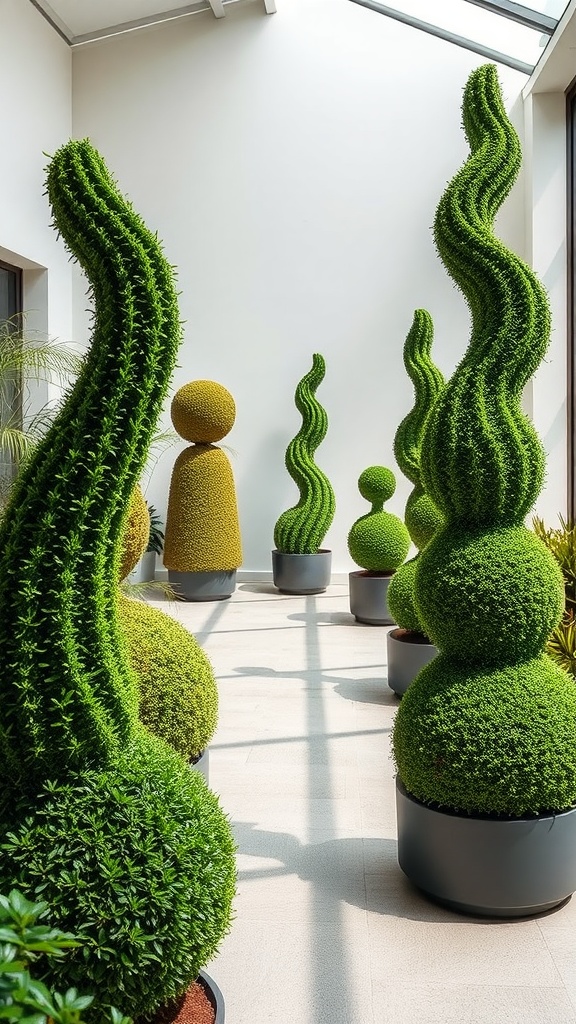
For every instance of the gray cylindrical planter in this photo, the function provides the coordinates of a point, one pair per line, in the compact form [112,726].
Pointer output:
[203,586]
[214,994]
[202,763]
[408,653]
[369,597]
[301,574]
[493,867]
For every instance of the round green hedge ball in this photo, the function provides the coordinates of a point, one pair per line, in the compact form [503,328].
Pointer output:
[138,860]
[401,597]
[495,742]
[422,517]
[490,597]
[178,690]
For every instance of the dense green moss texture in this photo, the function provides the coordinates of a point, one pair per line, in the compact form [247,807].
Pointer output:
[421,516]
[490,725]
[176,684]
[202,525]
[378,541]
[98,817]
[301,529]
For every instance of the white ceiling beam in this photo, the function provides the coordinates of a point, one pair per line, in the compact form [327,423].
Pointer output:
[217,8]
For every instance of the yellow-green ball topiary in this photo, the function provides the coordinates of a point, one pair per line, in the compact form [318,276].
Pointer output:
[203,411]
[178,691]
[136,532]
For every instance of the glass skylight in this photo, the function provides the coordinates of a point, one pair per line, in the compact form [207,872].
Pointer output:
[478,25]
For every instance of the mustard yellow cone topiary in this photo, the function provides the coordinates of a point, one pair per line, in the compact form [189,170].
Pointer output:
[202,528]
[136,532]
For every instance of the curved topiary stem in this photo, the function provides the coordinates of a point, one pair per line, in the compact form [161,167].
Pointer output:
[421,516]
[58,540]
[489,727]
[301,529]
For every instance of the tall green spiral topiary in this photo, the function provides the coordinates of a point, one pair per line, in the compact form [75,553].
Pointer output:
[421,515]
[489,726]
[301,529]
[126,844]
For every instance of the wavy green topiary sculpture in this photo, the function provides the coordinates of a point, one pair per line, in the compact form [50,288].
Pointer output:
[421,516]
[378,541]
[120,837]
[489,727]
[301,529]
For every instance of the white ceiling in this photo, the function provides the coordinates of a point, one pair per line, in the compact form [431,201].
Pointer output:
[82,20]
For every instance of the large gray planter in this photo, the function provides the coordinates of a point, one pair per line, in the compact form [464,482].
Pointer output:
[301,574]
[369,597]
[408,653]
[494,867]
[214,994]
[203,586]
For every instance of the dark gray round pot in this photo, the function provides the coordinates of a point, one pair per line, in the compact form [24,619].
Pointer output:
[408,653]
[369,597]
[493,867]
[214,995]
[301,574]
[203,586]
[202,763]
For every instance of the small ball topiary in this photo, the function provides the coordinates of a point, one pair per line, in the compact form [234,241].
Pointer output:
[301,529]
[202,526]
[148,880]
[176,683]
[378,541]
[136,532]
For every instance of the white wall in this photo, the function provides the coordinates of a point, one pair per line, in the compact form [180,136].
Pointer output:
[35,119]
[292,165]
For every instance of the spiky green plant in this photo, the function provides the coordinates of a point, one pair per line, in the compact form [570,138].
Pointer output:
[125,843]
[561,542]
[421,515]
[301,529]
[378,541]
[489,727]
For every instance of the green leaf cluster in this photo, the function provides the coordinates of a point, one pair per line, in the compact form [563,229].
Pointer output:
[301,529]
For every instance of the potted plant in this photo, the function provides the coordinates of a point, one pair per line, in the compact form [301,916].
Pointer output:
[485,737]
[103,819]
[202,546]
[299,564]
[379,543]
[561,542]
[144,570]
[408,647]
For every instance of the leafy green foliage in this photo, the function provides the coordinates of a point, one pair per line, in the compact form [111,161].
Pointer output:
[302,528]
[176,683]
[139,860]
[156,538]
[561,542]
[490,725]
[378,541]
[422,516]
[22,943]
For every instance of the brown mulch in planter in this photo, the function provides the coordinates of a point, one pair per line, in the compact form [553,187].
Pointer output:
[194,1007]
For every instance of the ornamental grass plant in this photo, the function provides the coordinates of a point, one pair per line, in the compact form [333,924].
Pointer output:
[489,727]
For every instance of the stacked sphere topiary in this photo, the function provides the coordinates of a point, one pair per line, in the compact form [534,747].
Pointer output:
[421,515]
[378,541]
[301,529]
[202,526]
[489,727]
[101,819]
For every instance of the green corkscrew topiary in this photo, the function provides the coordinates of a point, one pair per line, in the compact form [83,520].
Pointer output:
[103,820]
[489,727]
[202,525]
[421,515]
[378,541]
[301,529]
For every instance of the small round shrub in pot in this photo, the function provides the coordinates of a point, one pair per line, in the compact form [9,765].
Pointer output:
[408,647]
[379,543]
[299,564]
[485,737]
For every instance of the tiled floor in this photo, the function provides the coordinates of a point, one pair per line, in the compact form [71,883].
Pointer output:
[327,928]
